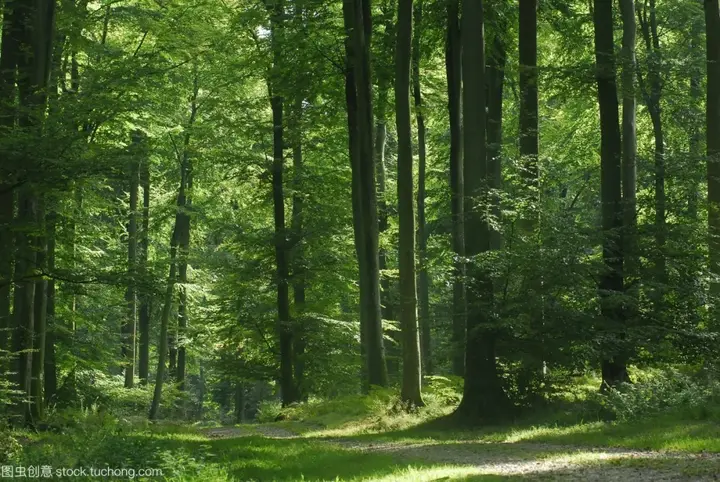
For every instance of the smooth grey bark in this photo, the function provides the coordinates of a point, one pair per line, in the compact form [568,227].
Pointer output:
[613,364]
[50,369]
[528,85]
[357,21]
[39,316]
[712,30]
[629,138]
[423,282]
[130,324]
[284,324]
[144,294]
[411,380]
[298,253]
[453,50]
[483,394]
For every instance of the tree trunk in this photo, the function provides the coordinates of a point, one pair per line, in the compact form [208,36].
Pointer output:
[712,29]
[164,322]
[145,296]
[529,133]
[50,369]
[614,369]
[453,72]
[184,239]
[357,14]
[629,139]
[239,403]
[354,155]
[483,394]
[298,254]
[423,283]
[653,96]
[40,307]
[284,326]
[411,380]
[8,64]
[129,326]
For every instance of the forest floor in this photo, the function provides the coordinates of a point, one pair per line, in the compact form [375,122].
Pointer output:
[484,456]
[357,439]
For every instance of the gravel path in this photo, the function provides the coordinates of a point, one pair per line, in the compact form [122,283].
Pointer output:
[525,461]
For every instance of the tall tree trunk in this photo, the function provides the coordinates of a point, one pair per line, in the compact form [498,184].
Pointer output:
[298,254]
[712,29]
[411,381]
[175,240]
[423,283]
[629,139]
[38,21]
[129,326]
[358,17]
[239,403]
[529,132]
[8,65]
[50,369]
[652,94]
[453,73]
[695,129]
[354,155]
[284,326]
[40,307]
[483,394]
[184,237]
[164,322]
[145,296]
[614,368]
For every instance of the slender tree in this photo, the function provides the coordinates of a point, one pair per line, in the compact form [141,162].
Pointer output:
[129,325]
[712,30]
[423,282]
[410,392]
[614,360]
[453,69]
[629,137]
[284,327]
[652,90]
[144,292]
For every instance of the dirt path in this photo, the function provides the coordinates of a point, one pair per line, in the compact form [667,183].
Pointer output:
[525,461]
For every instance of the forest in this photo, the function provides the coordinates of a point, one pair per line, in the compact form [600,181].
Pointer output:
[392,240]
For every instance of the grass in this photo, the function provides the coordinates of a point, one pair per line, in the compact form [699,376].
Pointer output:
[398,446]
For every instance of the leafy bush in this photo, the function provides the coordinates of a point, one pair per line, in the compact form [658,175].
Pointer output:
[656,392]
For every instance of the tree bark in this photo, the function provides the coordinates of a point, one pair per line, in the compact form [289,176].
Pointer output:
[529,132]
[423,282]
[483,394]
[652,94]
[39,316]
[453,73]
[284,325]
[496,82]
[184,237]
[712,29]
[298,253]
[629,139]
[129,326]
[357,14]
[145,296]
[614,369]
[411,381]
[50,369]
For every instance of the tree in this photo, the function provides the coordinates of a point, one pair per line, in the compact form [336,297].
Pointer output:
[129,326]
[652,94]
[408,301]
[145,297]
[483,394]
[423,282]
[356,14]
[614,370]
[629,137]
[284,328]
[453,70]
[528,86]
[712,31]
